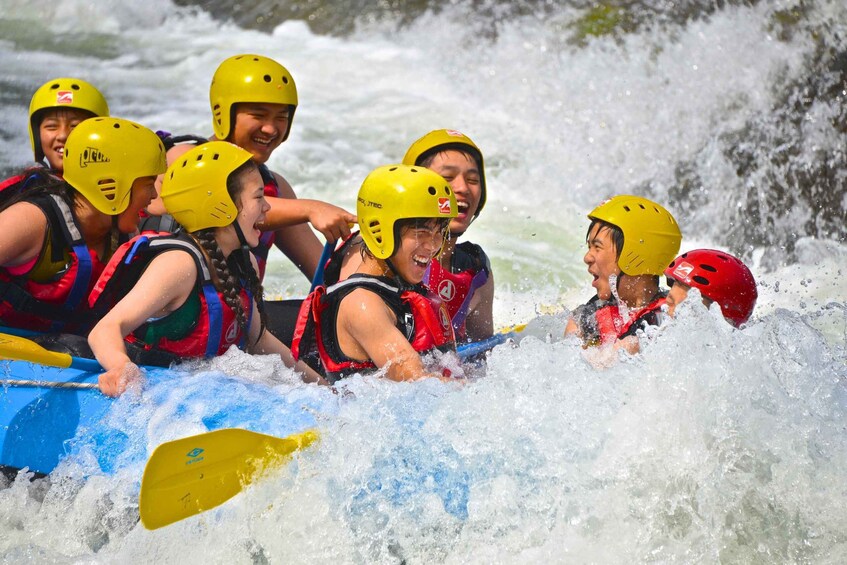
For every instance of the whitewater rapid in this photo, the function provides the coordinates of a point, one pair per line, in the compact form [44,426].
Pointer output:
[713,445]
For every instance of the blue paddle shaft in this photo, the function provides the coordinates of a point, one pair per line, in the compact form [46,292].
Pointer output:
[318,279]
[475,348]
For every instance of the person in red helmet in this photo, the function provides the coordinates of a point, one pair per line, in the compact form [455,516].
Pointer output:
[719,276]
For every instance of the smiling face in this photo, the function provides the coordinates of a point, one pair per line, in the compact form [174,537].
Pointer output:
[53,131]
[602,259]
[252,205]
[259,128]
[418,244]
[462,172]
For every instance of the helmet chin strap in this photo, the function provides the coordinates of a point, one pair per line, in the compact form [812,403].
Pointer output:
[240,258]
[241,239]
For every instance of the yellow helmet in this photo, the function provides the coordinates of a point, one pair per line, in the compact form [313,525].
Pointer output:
[249,78]
[651,236]
[397,192]
[62,93]
[104,156]
[442,140]
[194,189]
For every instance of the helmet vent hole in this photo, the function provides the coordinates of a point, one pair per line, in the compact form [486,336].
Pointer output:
[108,188]
[267,78]
[284,80]
[54,86]
[199,157]
[627,208]
[447,190]
[215,157]
[708,268]
[74,87]
[392,169]
[642,207]
[432,190]
[376,231]
[116,126]
[701,280]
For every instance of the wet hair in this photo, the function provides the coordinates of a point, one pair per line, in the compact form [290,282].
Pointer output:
[616,234]
[409,223]
[404,224]
[226,279]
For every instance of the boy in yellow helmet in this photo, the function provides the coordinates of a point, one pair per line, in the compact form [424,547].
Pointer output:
[462,274]
[381,316]
[630,242]
[253,99]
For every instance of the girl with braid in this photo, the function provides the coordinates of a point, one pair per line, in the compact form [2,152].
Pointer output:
[196,294]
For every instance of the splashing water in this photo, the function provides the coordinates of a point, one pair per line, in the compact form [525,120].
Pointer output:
[712,445]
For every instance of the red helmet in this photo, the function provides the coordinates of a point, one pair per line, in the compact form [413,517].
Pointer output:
[720,277]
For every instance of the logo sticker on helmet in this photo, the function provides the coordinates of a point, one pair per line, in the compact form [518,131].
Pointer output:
[683,270]
[443,205]
[446,290]
[90,156]
[64,97]
[454,133]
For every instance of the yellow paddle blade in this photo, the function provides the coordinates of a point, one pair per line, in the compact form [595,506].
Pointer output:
[191,475]
[22,349]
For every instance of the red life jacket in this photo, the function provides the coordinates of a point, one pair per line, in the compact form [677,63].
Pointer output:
[456,289]
[216,328]
[60,304]
[612,325]
[421,318]
[266,240]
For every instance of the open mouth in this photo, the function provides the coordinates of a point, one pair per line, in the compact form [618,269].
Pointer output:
[463,207]
[263,141]
[421,261]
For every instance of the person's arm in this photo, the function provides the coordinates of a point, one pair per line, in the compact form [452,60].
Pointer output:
[331,221]
[298,242]
[164,287]
[366,330]
[22,235]
[480,321]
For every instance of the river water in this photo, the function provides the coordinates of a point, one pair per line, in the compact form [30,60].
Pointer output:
[713,445]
